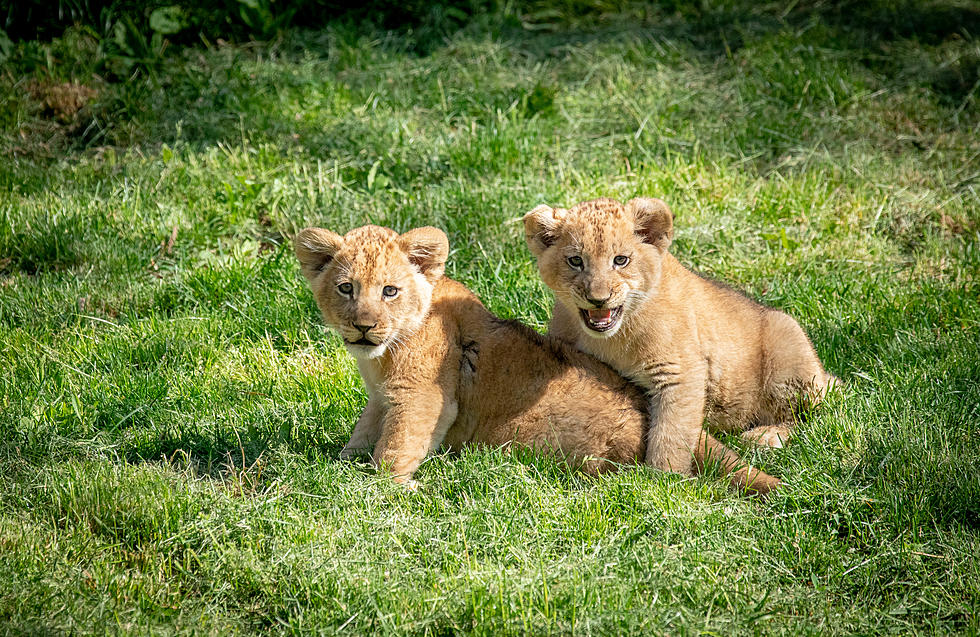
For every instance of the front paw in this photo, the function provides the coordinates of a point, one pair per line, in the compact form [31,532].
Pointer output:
[407,482]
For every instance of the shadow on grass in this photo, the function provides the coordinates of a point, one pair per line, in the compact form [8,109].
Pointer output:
[216,450]
[218,104]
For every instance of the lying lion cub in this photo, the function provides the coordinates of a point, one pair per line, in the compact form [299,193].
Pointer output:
[440,369]
[700,349]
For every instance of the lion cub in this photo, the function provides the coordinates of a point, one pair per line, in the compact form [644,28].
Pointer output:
[440,369]
[701,350]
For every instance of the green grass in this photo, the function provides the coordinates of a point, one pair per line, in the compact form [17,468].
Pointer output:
[171,413]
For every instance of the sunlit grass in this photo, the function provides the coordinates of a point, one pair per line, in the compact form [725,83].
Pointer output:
[171,409]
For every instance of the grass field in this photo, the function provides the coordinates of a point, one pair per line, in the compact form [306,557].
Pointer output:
[171,408]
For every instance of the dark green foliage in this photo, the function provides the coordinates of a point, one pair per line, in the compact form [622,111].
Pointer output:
[185,21]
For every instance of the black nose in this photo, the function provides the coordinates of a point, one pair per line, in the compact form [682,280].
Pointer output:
[364,329]
[598,302]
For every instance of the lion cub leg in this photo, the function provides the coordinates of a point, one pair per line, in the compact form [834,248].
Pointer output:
[774,436]
[743,476]
[414,425]
[793,379]
[678,442]
[366,431]
[790,404]
[676,419]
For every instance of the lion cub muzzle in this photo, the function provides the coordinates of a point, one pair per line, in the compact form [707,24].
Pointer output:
[601,320]
[606,312]
[366,333]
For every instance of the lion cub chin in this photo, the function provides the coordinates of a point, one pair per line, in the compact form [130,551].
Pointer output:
[441,370]
[701,350]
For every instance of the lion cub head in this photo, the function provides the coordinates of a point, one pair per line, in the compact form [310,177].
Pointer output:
[601,258]
[372,285]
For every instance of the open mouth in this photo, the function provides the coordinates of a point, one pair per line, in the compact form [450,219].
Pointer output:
[362,341]
[601,320]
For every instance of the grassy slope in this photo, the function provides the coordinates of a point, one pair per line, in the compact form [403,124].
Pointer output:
[170,419]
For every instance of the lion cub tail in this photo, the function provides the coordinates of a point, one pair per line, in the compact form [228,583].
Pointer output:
[711,452]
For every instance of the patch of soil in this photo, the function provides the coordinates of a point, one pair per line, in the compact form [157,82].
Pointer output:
[953,225]
[61,102]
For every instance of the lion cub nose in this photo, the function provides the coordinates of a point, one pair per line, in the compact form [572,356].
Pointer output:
[598,302]
[364,329]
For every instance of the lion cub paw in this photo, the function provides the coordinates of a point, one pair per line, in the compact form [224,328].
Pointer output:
[773,436]
[350,453]
[410,485]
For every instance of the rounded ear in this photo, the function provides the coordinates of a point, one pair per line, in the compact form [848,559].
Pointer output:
[540,228]
[654,221]
[427,248]
[315,248]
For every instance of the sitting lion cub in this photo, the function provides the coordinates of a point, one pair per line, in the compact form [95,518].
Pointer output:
[440,369]
[700,349]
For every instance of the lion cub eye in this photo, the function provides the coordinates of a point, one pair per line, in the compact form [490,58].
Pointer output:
[346,289]
[621,260]
[389,292]
[575,263]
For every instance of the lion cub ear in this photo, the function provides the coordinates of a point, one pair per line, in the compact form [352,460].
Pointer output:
[540,228]
[427,249]
[315,248]
[654,221]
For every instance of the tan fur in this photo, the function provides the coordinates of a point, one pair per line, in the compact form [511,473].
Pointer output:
[440,369]
[701,350]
